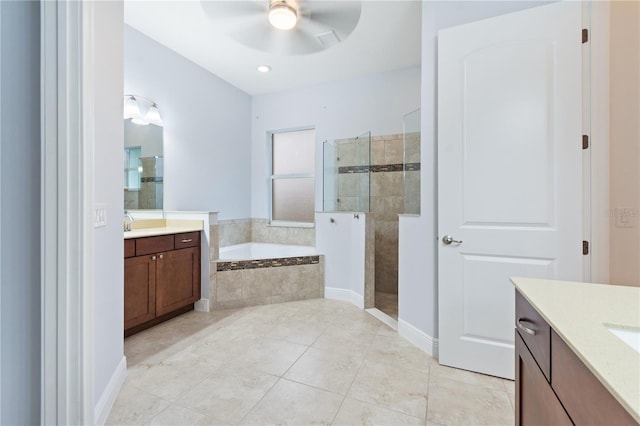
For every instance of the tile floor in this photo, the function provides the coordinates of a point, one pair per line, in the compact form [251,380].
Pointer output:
[316,361]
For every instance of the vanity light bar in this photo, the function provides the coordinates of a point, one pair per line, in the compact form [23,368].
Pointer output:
[132,111]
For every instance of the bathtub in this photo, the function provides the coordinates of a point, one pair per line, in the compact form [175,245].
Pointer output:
[253,274]
[248,251]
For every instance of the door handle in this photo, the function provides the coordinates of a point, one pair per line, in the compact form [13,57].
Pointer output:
[448,239]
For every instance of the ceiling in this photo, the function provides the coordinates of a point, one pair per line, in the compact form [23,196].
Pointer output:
[386,37]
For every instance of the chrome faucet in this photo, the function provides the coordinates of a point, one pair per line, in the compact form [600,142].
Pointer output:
[127,225]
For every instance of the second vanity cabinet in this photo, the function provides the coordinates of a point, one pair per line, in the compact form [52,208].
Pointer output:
[161,278]
[553,386]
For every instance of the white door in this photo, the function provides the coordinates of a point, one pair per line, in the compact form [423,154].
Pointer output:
[509,173]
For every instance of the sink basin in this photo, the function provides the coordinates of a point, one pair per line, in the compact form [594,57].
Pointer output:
[629,335]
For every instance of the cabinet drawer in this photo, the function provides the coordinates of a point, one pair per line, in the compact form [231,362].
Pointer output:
[586,400]
[188,239]
[535,333]
[129,248]
[151,245]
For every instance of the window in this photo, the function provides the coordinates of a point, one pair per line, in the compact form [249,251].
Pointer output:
[292,186]
[132,168]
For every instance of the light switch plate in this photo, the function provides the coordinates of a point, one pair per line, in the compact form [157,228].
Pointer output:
[624,217]
[100,216]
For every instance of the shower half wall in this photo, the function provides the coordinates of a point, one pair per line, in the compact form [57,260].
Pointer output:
[378,174]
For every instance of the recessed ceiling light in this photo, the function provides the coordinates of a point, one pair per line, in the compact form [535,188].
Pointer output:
[264,68]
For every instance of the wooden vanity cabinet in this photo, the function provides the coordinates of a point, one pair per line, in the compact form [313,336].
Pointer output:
[536,403]
[161,279]
[553,386]
[139,290]
[178,279]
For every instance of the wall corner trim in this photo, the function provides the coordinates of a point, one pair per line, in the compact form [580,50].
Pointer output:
[344,295]
[111,391]
[419,338]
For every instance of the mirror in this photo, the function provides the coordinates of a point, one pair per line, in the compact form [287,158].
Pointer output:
[143,166]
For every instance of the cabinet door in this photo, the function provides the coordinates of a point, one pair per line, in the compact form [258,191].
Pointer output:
[139,290]
[178,279]
[536,404]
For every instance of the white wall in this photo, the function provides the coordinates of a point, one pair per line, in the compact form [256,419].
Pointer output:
[338,110]
[418,278]
[20,213]
[207,136]
[108,245]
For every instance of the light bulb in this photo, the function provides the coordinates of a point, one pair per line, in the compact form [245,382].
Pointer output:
[131,108]
[153,115]
[282,16]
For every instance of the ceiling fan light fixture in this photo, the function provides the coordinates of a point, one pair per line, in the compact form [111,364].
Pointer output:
[282,15]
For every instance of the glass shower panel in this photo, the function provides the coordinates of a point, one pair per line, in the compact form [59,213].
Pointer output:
[347,164]
[411,160]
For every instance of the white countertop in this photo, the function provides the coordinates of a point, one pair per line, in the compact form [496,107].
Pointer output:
[153,227]
[578,313]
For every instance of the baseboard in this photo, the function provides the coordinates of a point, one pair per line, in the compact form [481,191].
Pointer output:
[202,305]
[344,295]
[108,397]
[418,337]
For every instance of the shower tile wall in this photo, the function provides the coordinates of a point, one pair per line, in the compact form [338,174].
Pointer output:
[387,195]
[412,173]
[150,195]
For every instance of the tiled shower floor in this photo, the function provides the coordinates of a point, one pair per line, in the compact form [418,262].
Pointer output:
[313,361]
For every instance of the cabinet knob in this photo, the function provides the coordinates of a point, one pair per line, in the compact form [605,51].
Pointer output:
[187,241]
[153,258]
[161,256]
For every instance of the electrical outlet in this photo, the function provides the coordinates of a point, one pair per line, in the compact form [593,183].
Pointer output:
[100,216]
[624,217]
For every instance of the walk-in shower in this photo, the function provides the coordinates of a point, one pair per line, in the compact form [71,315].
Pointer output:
[379,174]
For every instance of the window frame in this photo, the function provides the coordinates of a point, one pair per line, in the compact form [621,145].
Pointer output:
[271,178]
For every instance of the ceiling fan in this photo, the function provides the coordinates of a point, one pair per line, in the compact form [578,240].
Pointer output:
[285,27]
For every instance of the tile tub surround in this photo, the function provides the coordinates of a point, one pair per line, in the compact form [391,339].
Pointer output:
[238,231]
[241,283]
[307,362]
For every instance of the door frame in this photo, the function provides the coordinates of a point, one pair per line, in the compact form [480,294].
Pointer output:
[596,212]
[67,370]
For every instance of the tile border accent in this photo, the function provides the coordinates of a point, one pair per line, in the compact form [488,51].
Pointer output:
[400,167]
[235,265]
[157,179]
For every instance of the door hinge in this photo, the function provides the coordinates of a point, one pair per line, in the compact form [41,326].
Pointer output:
[585,35]
[585,141]
[585,248]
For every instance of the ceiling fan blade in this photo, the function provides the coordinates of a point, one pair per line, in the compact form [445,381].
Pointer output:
[230,13]
[247,22]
